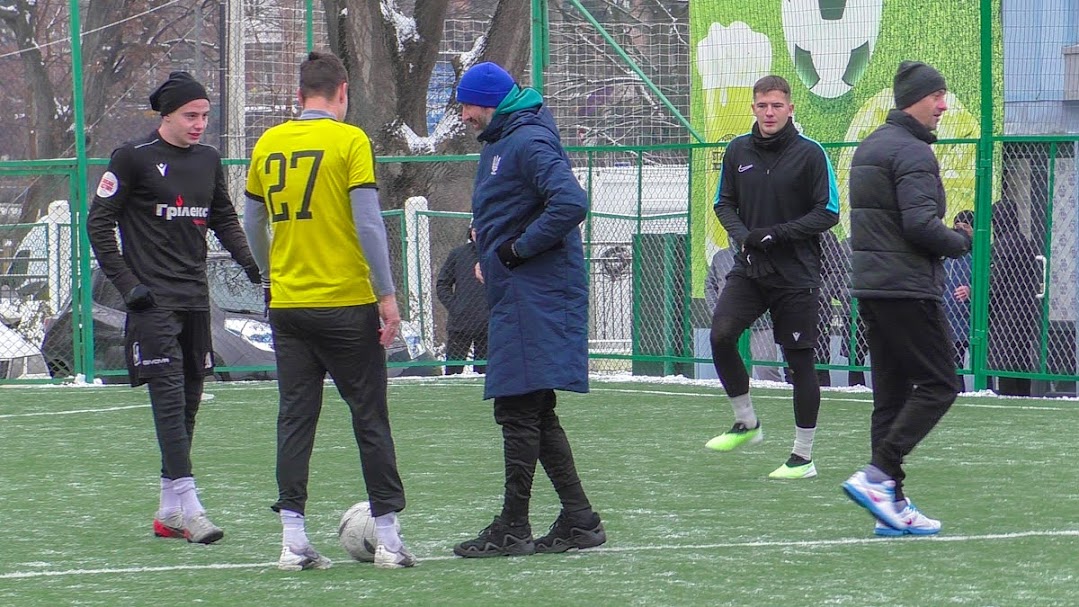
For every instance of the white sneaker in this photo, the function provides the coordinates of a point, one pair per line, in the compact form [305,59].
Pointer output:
[298,559]
[877,498]
[386,559]
[199,530]
[172,525]
[917,523]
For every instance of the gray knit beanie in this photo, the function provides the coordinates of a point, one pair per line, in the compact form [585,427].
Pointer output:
[913,81]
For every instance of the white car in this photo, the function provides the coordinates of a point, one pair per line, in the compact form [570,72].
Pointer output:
[19,359]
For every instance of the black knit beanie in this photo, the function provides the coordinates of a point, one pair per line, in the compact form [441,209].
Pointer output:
[176,92]
[913,81]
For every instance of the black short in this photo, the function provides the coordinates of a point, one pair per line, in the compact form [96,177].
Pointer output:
[168,342]
[794,311]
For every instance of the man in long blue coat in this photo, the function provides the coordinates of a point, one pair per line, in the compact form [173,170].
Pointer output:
[527,206]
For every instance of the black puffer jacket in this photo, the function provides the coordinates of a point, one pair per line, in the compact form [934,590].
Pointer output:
[897,205]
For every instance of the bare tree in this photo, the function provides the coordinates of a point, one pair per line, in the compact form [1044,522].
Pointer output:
[116,52]
[390,58]
[594,92]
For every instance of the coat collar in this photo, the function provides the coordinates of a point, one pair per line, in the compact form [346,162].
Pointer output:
[777,141]
[910,123]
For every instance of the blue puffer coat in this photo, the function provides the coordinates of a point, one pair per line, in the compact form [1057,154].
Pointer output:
[538,331]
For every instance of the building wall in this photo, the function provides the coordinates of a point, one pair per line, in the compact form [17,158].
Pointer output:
[1035,34]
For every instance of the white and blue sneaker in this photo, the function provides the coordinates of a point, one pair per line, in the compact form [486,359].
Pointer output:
[877,498]
[295,558]
[917,523]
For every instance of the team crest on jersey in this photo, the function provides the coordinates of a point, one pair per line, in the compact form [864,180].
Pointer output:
[108,185]
[494,164]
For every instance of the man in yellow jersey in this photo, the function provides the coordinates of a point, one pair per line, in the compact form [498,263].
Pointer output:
[312,184]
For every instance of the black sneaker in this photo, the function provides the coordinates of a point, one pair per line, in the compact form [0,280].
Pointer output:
[499,539]
[567,533]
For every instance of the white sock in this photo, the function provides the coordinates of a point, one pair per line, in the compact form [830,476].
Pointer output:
[189,497]
[170,500]
[294,535]
[743,410]
[803,442]
[386,531]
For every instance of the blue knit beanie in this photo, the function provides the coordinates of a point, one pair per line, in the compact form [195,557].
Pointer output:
[485,85]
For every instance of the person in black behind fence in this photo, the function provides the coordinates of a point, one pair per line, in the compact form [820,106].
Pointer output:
[1014,312]
[462,293]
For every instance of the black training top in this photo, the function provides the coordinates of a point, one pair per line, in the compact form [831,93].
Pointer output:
[163,198]
[785,183]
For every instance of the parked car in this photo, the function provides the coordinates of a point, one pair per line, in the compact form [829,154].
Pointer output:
[19,359]
[241,337]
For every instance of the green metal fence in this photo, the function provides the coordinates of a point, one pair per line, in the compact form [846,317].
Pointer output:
[609,80]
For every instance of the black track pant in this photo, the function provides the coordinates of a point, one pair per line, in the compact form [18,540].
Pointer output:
[458,343]
[309,342]
[913,369]
[530,433]
[175,401]
[795,316]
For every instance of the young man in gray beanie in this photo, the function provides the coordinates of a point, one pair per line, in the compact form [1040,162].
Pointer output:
[898,239]
[527,207]
[165,191]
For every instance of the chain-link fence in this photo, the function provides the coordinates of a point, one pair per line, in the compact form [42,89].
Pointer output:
[621,93]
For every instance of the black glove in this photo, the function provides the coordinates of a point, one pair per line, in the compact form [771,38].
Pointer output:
[761,239]
[508,256]
[758,265]
[139,298]
[253,273]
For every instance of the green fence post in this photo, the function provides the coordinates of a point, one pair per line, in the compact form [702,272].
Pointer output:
[668,307]
[309,24]
[540,55]
[1043,337]
[982,202]
[83,242]
[687,279]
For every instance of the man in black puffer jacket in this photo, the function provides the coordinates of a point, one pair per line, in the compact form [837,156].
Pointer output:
[898,240]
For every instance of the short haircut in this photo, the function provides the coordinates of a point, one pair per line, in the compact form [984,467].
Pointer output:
[772,83]
[320,75]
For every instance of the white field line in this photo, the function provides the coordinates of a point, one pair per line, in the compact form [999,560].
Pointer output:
[1015,407]
[602,550]
[832,399]
[75,411]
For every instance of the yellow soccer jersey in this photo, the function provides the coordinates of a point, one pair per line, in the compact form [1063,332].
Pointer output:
[303,171]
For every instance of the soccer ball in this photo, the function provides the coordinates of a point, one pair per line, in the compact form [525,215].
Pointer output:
[357,532]
[831,41]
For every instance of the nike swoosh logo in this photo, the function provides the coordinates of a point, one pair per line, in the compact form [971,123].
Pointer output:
[742,168]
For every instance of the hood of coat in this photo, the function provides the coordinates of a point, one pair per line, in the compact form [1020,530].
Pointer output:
[521,107]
